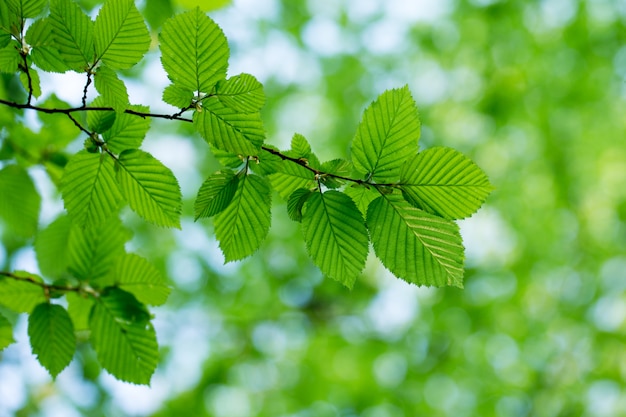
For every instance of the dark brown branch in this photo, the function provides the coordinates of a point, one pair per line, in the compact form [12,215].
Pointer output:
[48,288]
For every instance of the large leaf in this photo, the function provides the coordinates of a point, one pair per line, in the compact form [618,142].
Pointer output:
[244,224]
[414,245]
[19,201]
[127,131]
[444,182]
[27,8]
[139,277]
[194,51]
[123,337]
[89,189]
[111,88]
[335,235]
[242,93]
[22,292]
[215,194]
[73,34]
[226,129]
[121,35]
[6,333]
[92,251]
[150,188]
[387,135]
[51,334]
[44,52]
[51,247]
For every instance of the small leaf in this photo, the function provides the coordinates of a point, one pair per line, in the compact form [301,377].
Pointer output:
[79,307]
[228,159]
[44,51]
[443,181]
[100,121]
[73,34]
[224,128]
[296,203]
[290,177]
[20,201]
[21,293]
[6,333]
[128,131]
[242,93]
[51,334]
[177,96]
[111,88]
[266,162]
[150,188]
[9,59]
[139,277]
[51,247]
[414,245]
[339,167]
[300,147]
[215,194]
[121,35]
[35,82]
[387,135]
[123,337]
[243,225]
[362,196]
[89,189]
[194,51]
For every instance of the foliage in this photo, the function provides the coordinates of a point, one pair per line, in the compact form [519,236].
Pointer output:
[406,200]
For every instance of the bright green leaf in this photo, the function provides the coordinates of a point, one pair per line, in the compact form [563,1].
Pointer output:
[228,159]
[121,35]
[100,121]
[123,337]
[73,34]
[362,196]
[242,93]
[79,307]
[111,88]
[416,246]
[205,5]
[27,8]
[215,194]
[51,334]
[339,167]
[300,147]
[226,129]
[44,51]
[290,177]
[33,84]
[194,51]
[445,182]
[387,135]
[51,247]
[9,58]
[22,292]
[295,203]
[139,277]
[150,188]
[335,235]
[89,188]
[177,96]
[243,225]
[266,162]
[6,333]
[128,131]
[20,201]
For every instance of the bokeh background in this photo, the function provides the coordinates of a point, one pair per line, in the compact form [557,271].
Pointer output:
[533,91]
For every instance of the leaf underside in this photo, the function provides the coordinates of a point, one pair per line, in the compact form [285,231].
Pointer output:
[52,337]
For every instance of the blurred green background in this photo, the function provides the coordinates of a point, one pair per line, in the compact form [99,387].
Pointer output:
[533,91]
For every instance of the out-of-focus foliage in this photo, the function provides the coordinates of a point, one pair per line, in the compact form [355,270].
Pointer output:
[534,92]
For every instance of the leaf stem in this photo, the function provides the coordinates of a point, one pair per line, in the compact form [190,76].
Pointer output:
[48,288]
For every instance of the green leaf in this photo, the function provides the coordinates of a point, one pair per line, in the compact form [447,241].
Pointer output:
[128,131]
[242,93]
[10,22]
[194,51]
[21,293]
[123,337]
[443,181]
[27,8]
[387,135]
[51,334]
[416,246]
[51,247]
[335,235]
[100,121]
[89,189]
[44,51]
[295,203]
[9,59]
[139,277]
[57,132]
[150,188]
[93,250]
[177,96]
[112,89]
[35,83]
[73,34]
[243,225]
[362,196]
[215,194]
[6,333]
[79,307]
[121,35]
[300,147]
[224,128]
[339,167]
[228,159]
[20,201]
[290,177]
[266,162]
